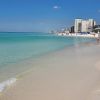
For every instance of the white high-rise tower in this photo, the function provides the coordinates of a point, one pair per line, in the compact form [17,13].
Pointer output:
[78,25]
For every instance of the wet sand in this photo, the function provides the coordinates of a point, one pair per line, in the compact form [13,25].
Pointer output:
[69,74]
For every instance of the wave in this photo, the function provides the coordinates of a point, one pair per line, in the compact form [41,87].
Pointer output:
[5,84]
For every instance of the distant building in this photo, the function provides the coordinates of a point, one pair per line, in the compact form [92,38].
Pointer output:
[78,25]
[96,28]
[72,29]
[84,25]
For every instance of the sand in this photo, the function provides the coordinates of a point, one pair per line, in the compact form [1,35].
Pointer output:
[69,74]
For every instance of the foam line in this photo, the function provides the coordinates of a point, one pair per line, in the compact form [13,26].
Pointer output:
[7,83]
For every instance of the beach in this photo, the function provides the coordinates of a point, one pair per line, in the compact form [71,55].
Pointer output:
[49,49]
[69,74]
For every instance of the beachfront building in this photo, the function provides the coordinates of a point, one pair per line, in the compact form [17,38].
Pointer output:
[84,25]
[77,27]
[72,29]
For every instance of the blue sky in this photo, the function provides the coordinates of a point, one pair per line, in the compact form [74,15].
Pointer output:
[45,15]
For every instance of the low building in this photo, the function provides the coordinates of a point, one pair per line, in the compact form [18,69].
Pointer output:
[96,28]
[72,29]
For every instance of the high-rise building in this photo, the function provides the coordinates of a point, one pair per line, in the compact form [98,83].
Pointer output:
[84,25]
[78,25]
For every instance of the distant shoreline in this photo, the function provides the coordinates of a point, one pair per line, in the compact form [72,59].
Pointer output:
[79,35]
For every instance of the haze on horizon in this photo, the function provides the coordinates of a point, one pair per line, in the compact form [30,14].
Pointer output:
[45,15]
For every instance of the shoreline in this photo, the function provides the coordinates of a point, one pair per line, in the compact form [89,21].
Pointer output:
[11,80]
[79,35]
[47,69]
[34,59]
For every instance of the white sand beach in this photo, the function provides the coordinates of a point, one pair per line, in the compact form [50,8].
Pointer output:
[69,74]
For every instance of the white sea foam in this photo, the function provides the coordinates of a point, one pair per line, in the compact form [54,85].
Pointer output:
[7,83]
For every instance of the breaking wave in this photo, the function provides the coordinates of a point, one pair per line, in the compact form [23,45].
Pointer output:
[7,83]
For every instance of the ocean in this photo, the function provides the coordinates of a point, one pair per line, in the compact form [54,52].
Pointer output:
[16,47]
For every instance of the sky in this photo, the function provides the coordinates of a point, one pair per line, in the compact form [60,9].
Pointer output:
[45,15]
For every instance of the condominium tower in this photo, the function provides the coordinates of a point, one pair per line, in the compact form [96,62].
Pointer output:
[84,25]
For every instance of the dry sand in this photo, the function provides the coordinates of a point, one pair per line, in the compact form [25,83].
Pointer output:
[70,74]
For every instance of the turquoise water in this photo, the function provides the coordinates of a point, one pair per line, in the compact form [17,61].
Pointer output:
[19,47]
[15,47]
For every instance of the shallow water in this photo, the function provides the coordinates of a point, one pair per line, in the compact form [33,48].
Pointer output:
[69,74]
[17,48]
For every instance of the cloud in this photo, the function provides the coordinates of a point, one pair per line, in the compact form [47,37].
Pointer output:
[56,7]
